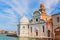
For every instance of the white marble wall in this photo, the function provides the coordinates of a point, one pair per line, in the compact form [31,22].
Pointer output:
[36,25]
[40,30]
[24,31]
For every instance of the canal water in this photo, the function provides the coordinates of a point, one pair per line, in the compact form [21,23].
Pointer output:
[4,37]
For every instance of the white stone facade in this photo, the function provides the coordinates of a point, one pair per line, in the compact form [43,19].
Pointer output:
[36,27]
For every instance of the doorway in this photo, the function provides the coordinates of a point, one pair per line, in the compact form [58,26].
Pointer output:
[57,33]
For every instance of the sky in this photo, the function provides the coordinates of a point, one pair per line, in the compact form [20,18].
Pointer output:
[11,11]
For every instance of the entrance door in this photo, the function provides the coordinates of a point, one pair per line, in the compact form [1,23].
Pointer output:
[36,33]
[57,33]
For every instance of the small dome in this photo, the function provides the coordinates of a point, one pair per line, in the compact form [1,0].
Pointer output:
[36,13]
[24,20]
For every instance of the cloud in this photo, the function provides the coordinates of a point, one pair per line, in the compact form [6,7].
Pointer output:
[20,6]
[8,17]
[10,12]
[8,20]
[50,5]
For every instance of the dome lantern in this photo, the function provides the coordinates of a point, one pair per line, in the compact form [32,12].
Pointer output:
[42,6]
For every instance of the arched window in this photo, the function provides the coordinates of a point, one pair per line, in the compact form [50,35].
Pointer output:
[31,29]
[23,27]
[36,19]
[48,33]
[43,28]
[36,32]
[57,19]
[28,26]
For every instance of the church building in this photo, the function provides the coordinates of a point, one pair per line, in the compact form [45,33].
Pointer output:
[37,27]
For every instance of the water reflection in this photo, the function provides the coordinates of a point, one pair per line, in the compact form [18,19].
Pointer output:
[4,37]
[29,39]
[33,39]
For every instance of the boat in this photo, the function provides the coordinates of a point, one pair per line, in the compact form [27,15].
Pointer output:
[12,34]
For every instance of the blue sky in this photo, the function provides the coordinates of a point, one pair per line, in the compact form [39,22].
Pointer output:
[11,11]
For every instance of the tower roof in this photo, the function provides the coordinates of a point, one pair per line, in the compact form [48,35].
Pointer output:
[41,5]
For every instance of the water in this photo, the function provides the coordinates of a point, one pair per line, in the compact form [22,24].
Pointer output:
[4,37]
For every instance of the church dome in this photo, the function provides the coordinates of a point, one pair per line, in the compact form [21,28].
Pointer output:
[24,20]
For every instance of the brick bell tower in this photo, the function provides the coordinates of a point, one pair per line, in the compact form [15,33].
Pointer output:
[43,12]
